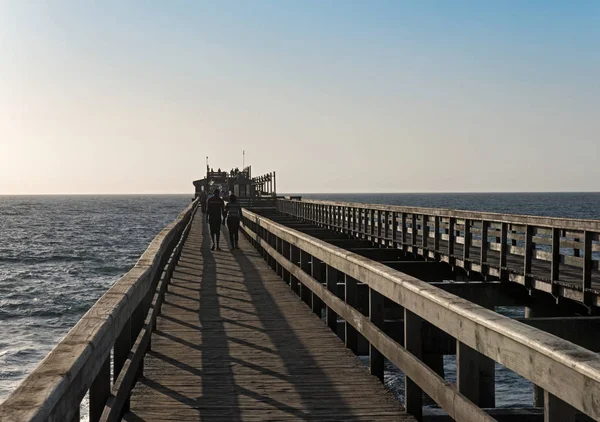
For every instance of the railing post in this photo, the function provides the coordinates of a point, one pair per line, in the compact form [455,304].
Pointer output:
[100,391]
[372,224]
[555,264]
[451,225]
[379,227]
[475,375]
[503,251]
[351,337]
[425,235]
[587,266]
[316,273]
[415,233]
[376,316]
[467,242]
[332,278]
[394,229]
[404,231]
[528,256]
[413,342]
[484,245]
[305,266]
[436,236]
[295,254]
[556,410]
[121,351]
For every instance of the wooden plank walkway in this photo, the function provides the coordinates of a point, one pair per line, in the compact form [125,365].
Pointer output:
[234,343]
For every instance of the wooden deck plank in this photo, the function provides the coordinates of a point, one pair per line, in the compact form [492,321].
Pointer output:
[234,343]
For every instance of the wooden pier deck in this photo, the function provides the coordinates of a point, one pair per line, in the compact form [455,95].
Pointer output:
[233,343]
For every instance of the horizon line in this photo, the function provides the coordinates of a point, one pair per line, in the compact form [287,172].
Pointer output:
[292,193]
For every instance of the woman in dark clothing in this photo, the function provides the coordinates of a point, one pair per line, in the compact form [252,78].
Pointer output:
[233,211]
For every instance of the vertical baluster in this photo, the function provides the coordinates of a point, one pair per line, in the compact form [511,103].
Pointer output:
[376,316]
[424,239]
[475,376]
[350,298]
[415,233]
[316,273]
[528,256]
[436,236]
[467,242]
[295,257]
[305,265]
[372,224]
[100,391]
[484,246]
[379,227]
[332,278]
[587,265]
[394,229]
[413,395]
[404,231]
[503,251]
[556,410]
[120,353]
[555,264]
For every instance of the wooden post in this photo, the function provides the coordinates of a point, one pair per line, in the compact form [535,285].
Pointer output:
[413,342]
[379,227]
[394,229]
[424,238]
[372,224]
[555,265]
[100,391]
[556,410]
[316,303]
[332,278]
[467,243]
[404,230]
[305,265]
[503,251]
[484,244]
[436,236]
[475,375]
[415,232]
[121,351]
[350,297]
[451,223]
[376,316]
[528,256]
[587,265]
[386,227]
[295,254]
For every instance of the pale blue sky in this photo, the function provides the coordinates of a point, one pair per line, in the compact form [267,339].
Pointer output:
[388,96]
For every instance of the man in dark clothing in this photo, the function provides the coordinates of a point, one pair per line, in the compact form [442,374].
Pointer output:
[215,207]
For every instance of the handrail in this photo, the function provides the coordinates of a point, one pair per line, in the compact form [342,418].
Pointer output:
[509,247]
[519,219]
[566,371]
[81,360]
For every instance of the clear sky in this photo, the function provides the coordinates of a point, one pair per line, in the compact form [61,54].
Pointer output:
[336,96]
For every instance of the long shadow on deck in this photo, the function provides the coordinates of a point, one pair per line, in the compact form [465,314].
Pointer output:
[235,384]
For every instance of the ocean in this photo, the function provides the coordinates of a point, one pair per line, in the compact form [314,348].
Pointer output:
[59,254]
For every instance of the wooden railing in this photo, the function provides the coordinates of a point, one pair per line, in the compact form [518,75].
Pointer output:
[569,374]
[111,338]
[559,256]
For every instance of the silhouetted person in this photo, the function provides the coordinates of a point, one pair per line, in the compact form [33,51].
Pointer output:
[215,207]
[203,198]
[233,212]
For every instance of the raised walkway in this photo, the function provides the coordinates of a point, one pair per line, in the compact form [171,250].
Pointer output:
[233,343]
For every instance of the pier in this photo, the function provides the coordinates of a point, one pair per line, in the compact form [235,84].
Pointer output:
[272,331]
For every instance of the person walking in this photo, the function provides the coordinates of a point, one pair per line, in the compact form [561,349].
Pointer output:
[215,207]
[233,212]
